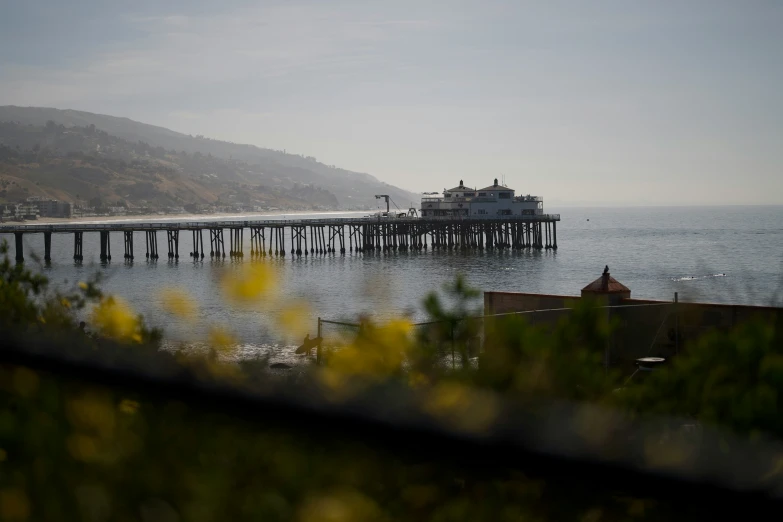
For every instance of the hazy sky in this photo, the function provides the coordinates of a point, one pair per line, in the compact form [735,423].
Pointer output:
[657,102]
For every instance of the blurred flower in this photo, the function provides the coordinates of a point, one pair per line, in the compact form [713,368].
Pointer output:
[339,506]
[462,408]
[178,302]
[83,285]
[221,339]
[377,352]
[14,505]
[128,406]
[114,318]
[250,283]
[25,381]
[294,319]
[92,413]
[82,447]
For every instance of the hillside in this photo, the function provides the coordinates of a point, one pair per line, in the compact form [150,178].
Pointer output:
[261,166]
[90,167]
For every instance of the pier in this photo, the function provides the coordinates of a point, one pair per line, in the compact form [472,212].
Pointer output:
[306,237]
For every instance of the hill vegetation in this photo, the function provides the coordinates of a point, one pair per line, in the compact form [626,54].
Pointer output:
[83,157]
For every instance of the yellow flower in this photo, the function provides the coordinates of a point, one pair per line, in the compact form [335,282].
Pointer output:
[82,285]
[346,505]
[250,283]
[14,505]
[65,303]
[82,447]
[378,351]
[25,381]
[294,319]
[114,318]
[462,408]
[178,302]
[128,406]
[221,339]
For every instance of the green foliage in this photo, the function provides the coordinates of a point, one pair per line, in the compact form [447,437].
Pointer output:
[28,304]
[733,380]
[74,452]
[456,329]
[538,361]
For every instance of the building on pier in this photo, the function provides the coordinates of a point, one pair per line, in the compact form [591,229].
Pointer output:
[494,200]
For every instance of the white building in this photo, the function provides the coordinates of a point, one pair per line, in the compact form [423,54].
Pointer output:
[494,200]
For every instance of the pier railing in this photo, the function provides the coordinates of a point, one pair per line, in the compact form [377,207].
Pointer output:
[203,225]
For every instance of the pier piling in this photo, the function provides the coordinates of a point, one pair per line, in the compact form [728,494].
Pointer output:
[105,246]
[152,244]
[47,246]
[128,235]
[172,239]
[78,241]
[18,239]
[317,237]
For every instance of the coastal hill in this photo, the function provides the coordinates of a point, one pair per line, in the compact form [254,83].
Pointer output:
[81,157]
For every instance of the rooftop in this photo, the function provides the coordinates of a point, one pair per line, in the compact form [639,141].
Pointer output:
[606,284]
[496,186]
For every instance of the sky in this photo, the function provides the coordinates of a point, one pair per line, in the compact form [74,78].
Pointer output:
[584,103]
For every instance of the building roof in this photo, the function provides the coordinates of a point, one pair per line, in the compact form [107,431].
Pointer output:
[460,188]
[497,187]
[606,284]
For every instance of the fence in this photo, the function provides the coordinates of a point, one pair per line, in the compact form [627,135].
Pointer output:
[628,338]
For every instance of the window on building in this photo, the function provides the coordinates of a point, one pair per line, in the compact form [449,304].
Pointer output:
[482,211]
[448,195]
[482,194]
[504,195]
[505,212]
[469,194]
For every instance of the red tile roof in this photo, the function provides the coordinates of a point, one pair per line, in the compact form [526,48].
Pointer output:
[606,284]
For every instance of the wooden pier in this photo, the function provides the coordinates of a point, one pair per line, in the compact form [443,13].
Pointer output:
[306,237]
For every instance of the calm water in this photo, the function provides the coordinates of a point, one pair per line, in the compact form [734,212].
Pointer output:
[653,251]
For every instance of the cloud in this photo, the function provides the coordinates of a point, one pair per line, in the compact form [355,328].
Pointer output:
[175,52]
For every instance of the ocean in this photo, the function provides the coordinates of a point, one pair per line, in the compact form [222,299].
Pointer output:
[714,254]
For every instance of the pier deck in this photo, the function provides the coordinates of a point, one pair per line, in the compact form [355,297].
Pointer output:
[306,236]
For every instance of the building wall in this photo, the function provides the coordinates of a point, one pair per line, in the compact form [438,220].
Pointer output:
[53,208]
[660,329]
[494,208]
